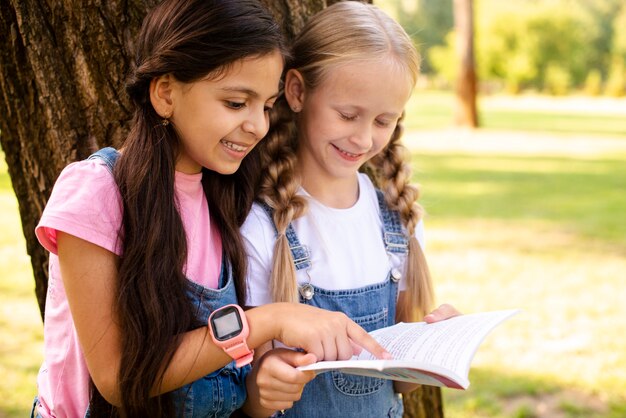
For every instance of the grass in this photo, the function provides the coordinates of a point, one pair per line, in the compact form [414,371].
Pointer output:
[577,196]
[21,333]
[541,231]
[547,235]
[434,110]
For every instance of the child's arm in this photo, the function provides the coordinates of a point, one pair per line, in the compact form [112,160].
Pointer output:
[443,312]
[90,275]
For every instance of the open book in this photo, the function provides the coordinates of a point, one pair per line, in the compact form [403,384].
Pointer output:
[436,354]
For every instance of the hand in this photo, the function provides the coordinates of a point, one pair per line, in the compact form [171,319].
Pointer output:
[328,335]
[444,311]
[279,383]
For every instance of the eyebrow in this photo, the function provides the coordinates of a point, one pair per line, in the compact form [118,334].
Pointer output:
[385,114]
[246,91]
[391,115]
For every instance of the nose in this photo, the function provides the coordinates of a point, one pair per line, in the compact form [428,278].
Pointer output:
[257,123]
[362,137]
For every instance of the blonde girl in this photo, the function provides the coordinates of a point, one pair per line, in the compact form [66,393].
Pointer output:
[338,225]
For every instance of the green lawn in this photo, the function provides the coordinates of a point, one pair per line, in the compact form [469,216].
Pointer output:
[20,324]
[585,197]
[546,235]
[429,109]
[544,232]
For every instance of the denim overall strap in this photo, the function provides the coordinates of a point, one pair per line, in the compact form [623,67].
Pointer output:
[299,252]
[223,391]
[220,393]
[109,155]
[394,237]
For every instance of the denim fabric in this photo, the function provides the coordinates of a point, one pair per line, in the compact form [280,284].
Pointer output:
[33,413]
[394,236]
[299,252]
[217,394]
[220,393]
[109,155]
[338,394]
[343,395]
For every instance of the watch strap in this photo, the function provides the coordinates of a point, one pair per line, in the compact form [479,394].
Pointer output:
[240,353]
[236,347]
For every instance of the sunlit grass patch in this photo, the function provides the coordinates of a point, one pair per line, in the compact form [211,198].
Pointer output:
[434,109]
[545,234]
[583,196]
[21,350]
[572,330]
[21,331]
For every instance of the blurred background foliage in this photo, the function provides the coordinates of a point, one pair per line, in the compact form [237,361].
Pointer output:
[556,47]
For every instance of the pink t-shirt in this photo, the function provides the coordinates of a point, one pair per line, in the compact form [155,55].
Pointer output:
[85,203]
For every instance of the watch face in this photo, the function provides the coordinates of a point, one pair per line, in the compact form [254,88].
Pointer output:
[226,323]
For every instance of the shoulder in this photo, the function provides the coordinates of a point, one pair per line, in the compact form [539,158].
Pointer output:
[258,229]
[259,237]
[258,218]
[374,194]
[85,199]
[82,182]
[367,190]
[365,182]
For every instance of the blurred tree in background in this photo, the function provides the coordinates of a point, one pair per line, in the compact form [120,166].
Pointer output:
[551,46]
[428,22]
[616,79]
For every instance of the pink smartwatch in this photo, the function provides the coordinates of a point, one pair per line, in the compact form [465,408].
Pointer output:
[229,330]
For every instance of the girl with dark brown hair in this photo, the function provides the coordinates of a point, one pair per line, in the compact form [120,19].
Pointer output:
[145,241]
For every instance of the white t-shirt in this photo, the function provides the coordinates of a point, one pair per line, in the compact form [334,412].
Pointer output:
[346,246]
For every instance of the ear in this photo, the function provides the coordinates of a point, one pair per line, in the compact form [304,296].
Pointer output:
[294,90]
[161,95]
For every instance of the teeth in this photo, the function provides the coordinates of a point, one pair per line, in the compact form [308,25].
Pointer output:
[347,153]
[232,146]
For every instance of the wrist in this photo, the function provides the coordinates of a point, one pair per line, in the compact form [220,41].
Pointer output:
[229,330]
[264,323]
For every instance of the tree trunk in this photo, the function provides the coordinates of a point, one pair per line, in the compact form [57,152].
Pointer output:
[425,402]
[62,69]
[465,110]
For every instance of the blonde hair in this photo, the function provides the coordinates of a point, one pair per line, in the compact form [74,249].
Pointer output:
[343,33]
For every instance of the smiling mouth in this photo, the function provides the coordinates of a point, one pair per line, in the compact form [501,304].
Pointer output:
[233,146]
[346,153]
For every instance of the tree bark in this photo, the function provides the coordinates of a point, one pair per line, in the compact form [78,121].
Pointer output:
[425,402]
[465,113]
[62,69]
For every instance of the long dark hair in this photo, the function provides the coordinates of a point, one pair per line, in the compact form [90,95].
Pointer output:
[190,40]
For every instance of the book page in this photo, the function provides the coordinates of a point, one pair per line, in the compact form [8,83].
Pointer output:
[450,344]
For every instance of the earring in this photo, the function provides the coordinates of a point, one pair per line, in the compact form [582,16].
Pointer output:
[165,122]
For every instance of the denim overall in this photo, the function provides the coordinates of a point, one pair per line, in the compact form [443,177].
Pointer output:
[220,393]
[335,394]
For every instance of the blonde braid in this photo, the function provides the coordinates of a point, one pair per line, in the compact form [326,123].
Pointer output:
[278,187]
[392,174]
